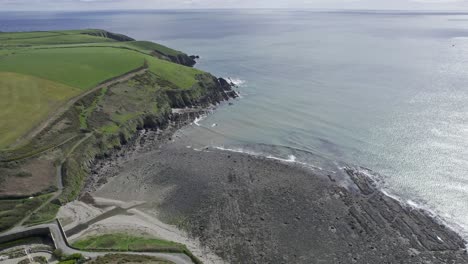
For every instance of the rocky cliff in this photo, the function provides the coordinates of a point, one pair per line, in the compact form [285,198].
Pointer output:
[110,35]
[181,58]
[145,102]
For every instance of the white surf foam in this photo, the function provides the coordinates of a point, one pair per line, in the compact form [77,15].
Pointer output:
[377,178]
[198,119]
[290,159]
[416,205]
[236,81]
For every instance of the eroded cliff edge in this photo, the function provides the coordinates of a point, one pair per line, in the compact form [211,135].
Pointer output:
[145,102]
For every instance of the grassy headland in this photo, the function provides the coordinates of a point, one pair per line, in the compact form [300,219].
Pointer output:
[73,96]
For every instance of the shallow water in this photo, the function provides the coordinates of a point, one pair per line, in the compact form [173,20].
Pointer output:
[388,91]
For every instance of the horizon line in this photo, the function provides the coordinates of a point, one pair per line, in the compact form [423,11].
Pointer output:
[247,8]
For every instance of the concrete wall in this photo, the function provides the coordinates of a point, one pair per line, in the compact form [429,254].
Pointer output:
[41,231]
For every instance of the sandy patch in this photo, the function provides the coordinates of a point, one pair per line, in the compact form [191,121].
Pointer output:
[135,222]
[76,212]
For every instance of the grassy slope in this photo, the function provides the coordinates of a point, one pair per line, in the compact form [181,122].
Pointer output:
[54,39]
[12,211]
[26,100]
[121,258]
[148,46]
[26,35]
[66,69]
[50,37]
[124,242]
[142,46]
[85,67]
[182,76]
[40,70]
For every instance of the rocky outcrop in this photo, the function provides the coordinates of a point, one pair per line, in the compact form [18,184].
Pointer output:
[207,92]
[255,210]
[110,35]
[181,58]
[214,92]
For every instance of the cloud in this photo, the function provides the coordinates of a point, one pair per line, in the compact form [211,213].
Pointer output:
[168,4]
[442,2]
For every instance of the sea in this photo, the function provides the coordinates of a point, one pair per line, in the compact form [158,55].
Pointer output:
[384,90]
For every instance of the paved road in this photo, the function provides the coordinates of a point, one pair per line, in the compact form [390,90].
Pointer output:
[61,242]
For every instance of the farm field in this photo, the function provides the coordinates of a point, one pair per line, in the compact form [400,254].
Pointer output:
[81,68]
[23,39]
[25,101]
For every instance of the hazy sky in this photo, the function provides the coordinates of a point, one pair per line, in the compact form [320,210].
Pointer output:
[454,5]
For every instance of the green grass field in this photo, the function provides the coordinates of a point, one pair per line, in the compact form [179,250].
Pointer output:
[85,67]
[182,76]
[82,68]
[25,101]
[50,37]
[54,39]
[148,47]
[122,258]
[124,242]
[26,35]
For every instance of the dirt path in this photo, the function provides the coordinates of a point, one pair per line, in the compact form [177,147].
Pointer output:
[59,182]
[59,112]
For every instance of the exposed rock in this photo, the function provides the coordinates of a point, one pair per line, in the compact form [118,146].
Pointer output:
[110,35]
[181,58]
[256,210]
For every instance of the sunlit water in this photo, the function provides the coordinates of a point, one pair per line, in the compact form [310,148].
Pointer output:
[386,91]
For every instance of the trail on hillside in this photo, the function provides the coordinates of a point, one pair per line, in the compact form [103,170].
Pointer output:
[61,110]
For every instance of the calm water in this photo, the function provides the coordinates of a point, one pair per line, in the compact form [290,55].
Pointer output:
[386,91]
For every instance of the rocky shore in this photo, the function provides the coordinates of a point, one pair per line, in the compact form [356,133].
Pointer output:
[250,209]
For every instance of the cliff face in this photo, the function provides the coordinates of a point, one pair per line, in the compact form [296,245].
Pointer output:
[213,91]
[182,58]
[110,35]
[158,51]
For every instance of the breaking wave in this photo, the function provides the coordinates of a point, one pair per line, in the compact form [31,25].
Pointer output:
[237,81]
[377,178]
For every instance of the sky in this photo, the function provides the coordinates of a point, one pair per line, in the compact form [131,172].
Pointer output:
[436,5]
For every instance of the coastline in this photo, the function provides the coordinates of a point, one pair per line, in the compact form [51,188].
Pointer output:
[163,158]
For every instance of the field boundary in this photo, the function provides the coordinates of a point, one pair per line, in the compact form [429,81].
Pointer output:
[61,110]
